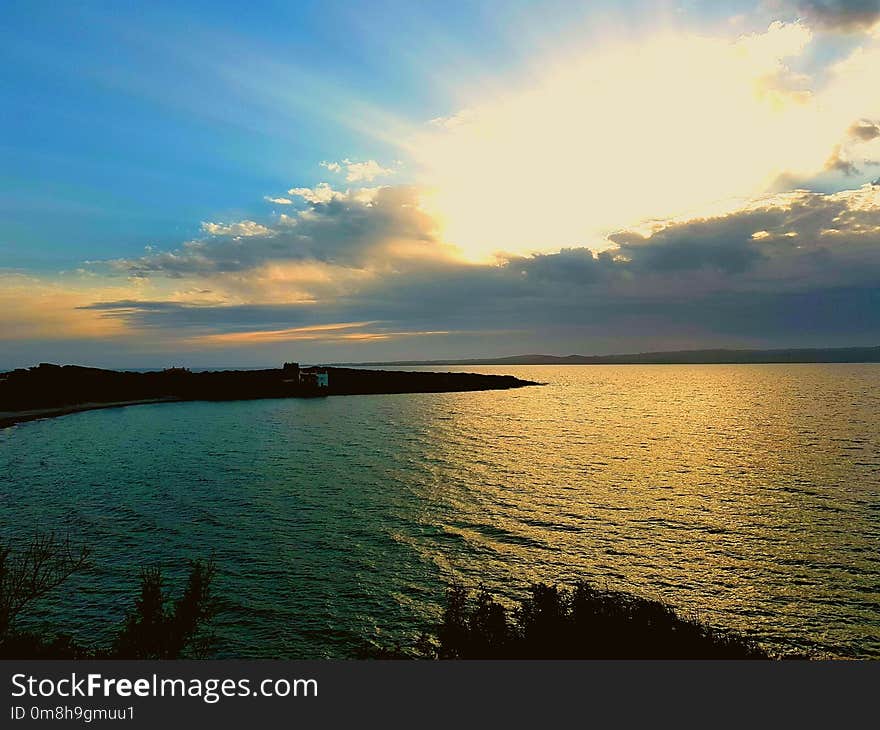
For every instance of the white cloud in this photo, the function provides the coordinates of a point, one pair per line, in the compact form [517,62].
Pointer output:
[321,193]
[241,228]
[366,171]
[324,193]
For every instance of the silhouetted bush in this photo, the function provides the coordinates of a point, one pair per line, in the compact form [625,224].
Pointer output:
[582,622]
[160,629]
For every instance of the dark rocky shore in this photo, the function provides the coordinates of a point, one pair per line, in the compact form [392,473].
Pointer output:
[52,390]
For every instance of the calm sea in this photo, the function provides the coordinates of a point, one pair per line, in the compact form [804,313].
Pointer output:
[748,493]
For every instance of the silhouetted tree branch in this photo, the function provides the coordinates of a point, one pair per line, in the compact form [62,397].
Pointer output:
[26,575]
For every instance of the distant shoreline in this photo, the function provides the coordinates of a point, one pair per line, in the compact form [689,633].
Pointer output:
[791,356]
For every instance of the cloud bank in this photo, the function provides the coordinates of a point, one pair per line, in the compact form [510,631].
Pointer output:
[357,270]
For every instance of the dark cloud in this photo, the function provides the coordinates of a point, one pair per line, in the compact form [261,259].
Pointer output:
[722,245]
[580,266]
[844,15]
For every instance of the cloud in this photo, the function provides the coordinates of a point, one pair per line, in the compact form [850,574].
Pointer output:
[211,325]
[321,193]
[328,333]
[343,228]
[865,130]
[324,193]
[859,136]
[240,229]
[838,163]
[842,15]
[336,330]
[356,172]
[40,308]
[278,201]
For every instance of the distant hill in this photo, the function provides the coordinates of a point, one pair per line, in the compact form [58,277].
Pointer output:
[679,357]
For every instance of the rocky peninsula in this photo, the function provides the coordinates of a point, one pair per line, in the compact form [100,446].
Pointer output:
[50,390]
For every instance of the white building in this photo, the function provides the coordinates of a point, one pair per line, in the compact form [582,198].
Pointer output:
[318,378]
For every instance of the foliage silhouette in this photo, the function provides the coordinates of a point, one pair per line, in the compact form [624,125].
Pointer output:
[582,622]
[157,627]
[156,630]
[578,622]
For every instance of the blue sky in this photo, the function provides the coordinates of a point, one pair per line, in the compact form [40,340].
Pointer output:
[141,141]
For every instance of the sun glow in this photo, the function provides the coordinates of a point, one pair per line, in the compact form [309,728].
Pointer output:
[675,125]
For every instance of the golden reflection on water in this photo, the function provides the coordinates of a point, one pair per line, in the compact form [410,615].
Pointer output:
[745,493]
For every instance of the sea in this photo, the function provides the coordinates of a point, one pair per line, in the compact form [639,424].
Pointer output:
[746,495]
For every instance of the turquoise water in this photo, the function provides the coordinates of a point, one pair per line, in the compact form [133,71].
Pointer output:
[749,494]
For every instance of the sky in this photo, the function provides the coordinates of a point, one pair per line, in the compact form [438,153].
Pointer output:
[220,184]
